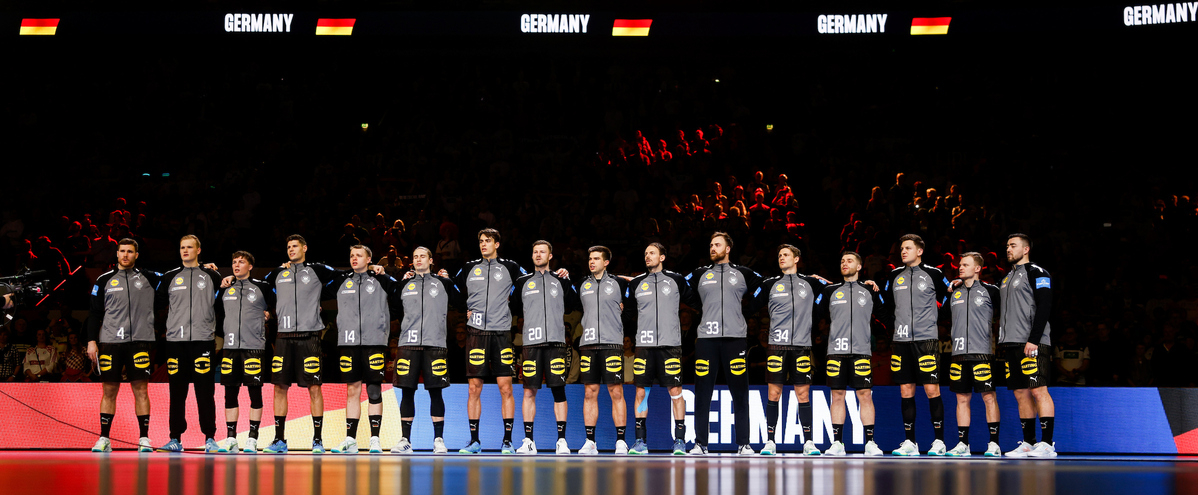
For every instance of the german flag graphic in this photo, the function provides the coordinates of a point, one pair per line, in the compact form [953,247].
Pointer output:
[930,25]
[45,27]
[631,27]
[335,27]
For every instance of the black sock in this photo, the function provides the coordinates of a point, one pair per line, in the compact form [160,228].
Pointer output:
[869,433]
[105,424]
[561,429]
[143,425]
[317,425]
[1046,424]
[508,424]
[406,426]
[805,420]
[936,407]
[528,429]
[640,429]
[993,431]
[963,434]
[1029,430]
[231,429]
[621,433]
[838,432]
[351,427]
[908,406]
[376,424]
[771,418]
[439,429]
[680,429]
[280,428]
[591,433]
[473,430]
[254,426]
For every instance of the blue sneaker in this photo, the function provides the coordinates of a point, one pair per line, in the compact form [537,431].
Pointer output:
[278,447]
[639,448]
[679,446]
[210,447]
[473,448]
[317,447]
[506,448]
[171,446]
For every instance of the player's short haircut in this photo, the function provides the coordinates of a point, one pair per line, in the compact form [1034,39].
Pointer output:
[727,238]
[192,238]
[426,250]
[245,255]
[369,254]
[1026,240]
[793,249]
[127,242]
[853,254]
[661,248]
[544,243]
[977,258]
[602,250]
[297,237]
[490,233]
[915,238]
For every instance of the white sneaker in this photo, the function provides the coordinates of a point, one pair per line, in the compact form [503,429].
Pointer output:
[251,446]
[938,448]
[907,448]
[836,449]
[1044,449]
[992,450]
[699,450]
[143,445]
[439,446]
[872,450]
[769,448]
[810,449]
[1021,450]
[403,446]
[563,448]
[528,447]
[961,450]
[229,445]
[589,448]
[745,449]
[621,447]
[348,446]
[376,447]
[102,445]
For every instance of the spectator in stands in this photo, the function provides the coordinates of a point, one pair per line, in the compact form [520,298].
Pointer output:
[1170,360]
[10,358]
[103,248]
[1072,359]
[1139,373]
[349,237]
[77,245]
[74,364]
[40,359]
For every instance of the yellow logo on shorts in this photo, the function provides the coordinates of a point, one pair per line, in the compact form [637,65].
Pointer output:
[981,372]
[861,367]
[701,367]
[738,366]
[203,365]
[532,285]
[141,360]
[105,362]
[312,365]
[253,366]
[172,366]
[585,364]
[833,367]
[927,363]
[402,366]
[638,366]
[478,356]
[1007,368]
[276,364]
[377,361]
[347,364]
[226,366]
[506,356]
[673,366]
[558,366]
[1029,366]
[774,364]
[803,364]
[411,286]
[439,368]
[614,364]
[530,367]
[896,362]
[954,372]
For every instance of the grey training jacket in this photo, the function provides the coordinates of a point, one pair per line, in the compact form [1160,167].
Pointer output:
[791,302]
[913,294]
[244,305]
[849,307]
[363,308]
[973,309]
[122,306]
[1027,302]
[424,302]
[190,293]
[544,299]
[299,290]
[719,290]
[602,318]
[658,298]
[488,284]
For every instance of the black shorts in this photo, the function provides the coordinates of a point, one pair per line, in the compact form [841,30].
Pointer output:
[489,354]
[916,362]
[660,364]
[242,367]
[1025,372]
[190,362]
[788,365]
[601,364]
[971,376]
[721,353]
[129,359]
[413,361]
[850,370]
[363,363]
[297,360]
[545,363]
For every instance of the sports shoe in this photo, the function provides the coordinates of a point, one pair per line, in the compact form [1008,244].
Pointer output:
[318,447]
[563,448]
[745,449]
[348,446]
[251,445]
[439,446]
[276,447]
[769,448]
[229,445]
[506,448]
[210,446]
[698,450]
[403,446]
[621,447]
[143,445]
[171,446]
[527,447]
[376,447]
[837,449]
[473,448]
[639,448]
[1020,450]
[679,446]
[1044,449]
[992,450]
[937,448]
[961,450]
[589,448]
[872,450]
[102,445]
[907,448]
[810,449]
